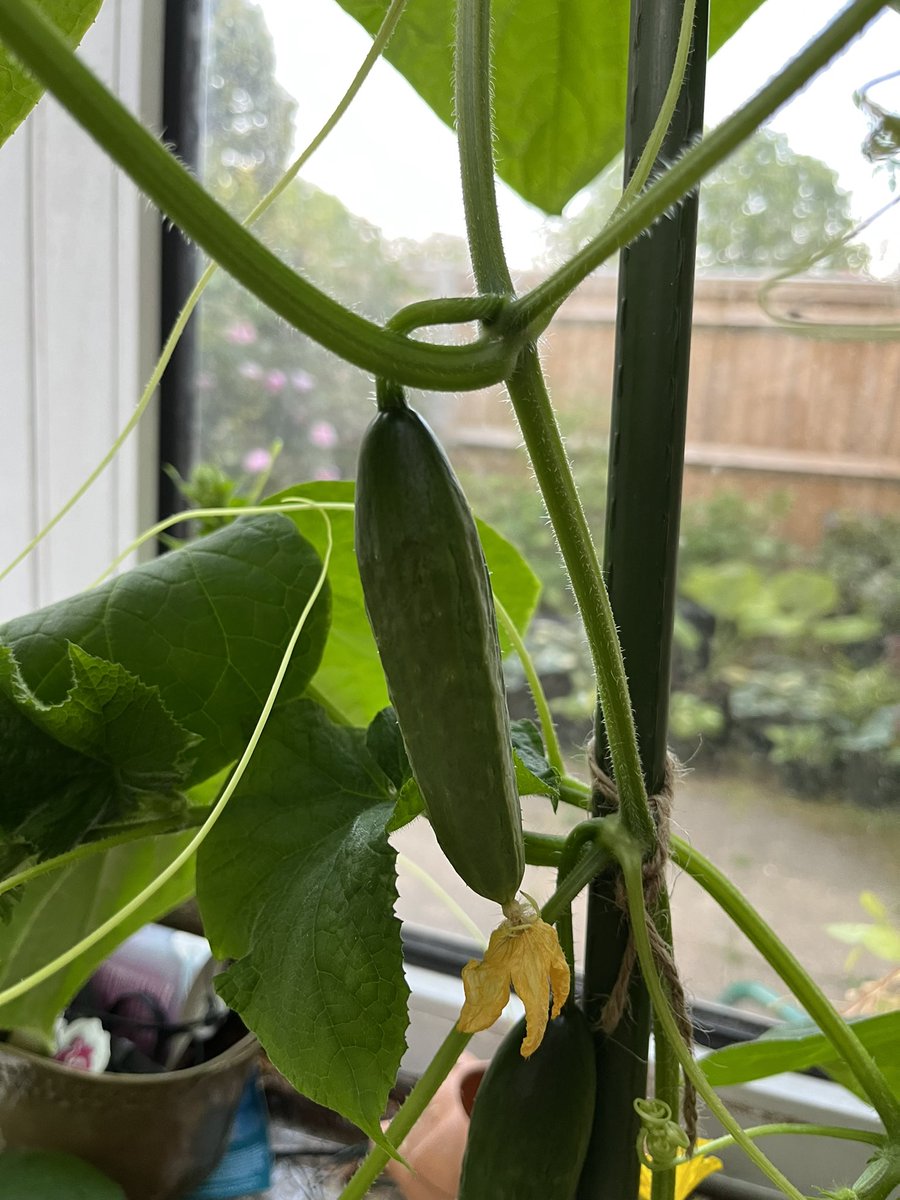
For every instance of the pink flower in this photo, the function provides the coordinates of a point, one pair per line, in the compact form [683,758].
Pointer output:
[275,381]
[241,333]
[78,1054]
[323,434]
[256,460]
[302,381]
[326,473]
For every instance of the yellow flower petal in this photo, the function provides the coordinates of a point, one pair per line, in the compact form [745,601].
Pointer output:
[524,952]
[688,1176]
[487,994]
[692,1174]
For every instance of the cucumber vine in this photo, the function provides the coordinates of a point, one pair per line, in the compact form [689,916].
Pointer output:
[505,350]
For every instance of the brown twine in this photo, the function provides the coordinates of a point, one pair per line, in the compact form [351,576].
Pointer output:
[605,795]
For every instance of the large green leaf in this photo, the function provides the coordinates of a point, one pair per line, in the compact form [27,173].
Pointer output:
[108,752]
[56,911]
[19,91]
[297,883]
[350,679]
[207,625]
[799,1047]
[49,1175]
[559,80]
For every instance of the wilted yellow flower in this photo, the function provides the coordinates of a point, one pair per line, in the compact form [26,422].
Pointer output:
[688,1176]
[523,951]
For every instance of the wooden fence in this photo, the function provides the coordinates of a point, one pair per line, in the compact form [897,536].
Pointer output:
[807,413]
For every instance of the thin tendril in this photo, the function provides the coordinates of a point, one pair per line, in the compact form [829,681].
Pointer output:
[291,504]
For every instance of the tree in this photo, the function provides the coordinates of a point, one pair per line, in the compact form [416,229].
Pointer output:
[249,117]
[762,209]
[258,378]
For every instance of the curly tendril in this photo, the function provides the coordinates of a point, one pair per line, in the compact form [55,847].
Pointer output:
[661,1141]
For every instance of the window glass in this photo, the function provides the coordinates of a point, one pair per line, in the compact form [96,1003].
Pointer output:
[786,691]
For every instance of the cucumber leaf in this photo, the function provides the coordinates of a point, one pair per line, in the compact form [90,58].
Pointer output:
[297,884]
[384,741]
[799,1047]
[534,775]
[558,82]
[207,625]
[512,580]
[19,91]
[49,1174]
[350,681]
[410,804]
[57,910]
[107,752]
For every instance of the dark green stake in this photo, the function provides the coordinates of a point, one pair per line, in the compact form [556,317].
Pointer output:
[644,500]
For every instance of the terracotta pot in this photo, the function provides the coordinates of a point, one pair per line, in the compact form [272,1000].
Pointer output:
[158,1136]
[435,1147]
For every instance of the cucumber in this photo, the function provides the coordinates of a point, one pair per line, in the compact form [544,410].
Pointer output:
[428,599]
[532,1117]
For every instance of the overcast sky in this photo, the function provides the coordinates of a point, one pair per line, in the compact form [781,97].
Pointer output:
[392,161]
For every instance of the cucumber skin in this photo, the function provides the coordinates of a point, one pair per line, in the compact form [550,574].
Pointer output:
[428,599]
[532,1117]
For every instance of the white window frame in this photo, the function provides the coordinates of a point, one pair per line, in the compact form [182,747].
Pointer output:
[79,325]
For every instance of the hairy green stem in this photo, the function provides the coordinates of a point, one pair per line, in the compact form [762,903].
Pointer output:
[582,858]
[174,190]
[630,862]
[535,414]
[789,969]
[666,1068]
[413,1107]
[690,169]
[567,863]
[801,1129]
[472,84]
[574,793]
[543,849]
[553,471]
[381,39]
[447,310]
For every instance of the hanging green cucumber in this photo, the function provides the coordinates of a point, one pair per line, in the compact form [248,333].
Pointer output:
[428,599]
[532,1117]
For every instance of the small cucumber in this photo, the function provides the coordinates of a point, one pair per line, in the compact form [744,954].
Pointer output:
[428,598]
[532,1117]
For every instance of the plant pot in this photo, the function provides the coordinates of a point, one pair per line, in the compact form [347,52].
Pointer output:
[436,1144]
[158,1136]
